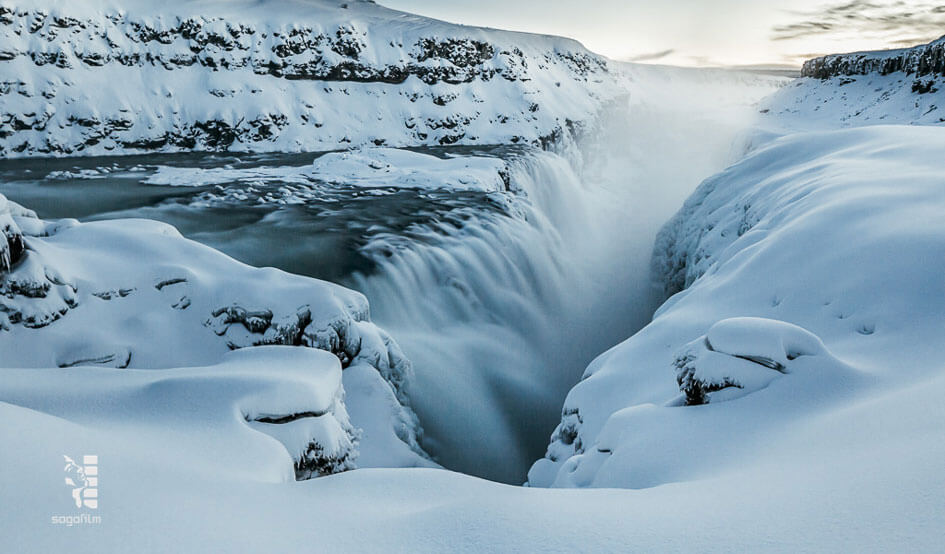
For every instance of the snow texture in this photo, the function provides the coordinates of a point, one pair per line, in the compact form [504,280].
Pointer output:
[832,239]
[235,407]
[785,397]
[86,294]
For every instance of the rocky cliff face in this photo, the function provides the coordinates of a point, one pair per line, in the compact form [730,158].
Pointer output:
[926,59]
[84,78]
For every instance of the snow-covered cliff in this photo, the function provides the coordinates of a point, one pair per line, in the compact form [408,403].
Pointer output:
[800,281]
[865,88]
[88,78]
[807,279]
[922,60]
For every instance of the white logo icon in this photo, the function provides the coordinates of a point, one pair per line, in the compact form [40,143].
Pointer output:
[84,481]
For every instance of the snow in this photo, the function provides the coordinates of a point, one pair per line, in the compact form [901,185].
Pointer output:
[362,167]
[98,78]
[791,500]
[741,355]
[373,168]
[902,86]
[856,100]
[786,396]
[86,293]
[205,409]
[750,242]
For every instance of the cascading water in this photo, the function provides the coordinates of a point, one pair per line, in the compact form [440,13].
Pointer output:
[500,315]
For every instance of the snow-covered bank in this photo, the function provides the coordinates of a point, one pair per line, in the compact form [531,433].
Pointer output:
[793,500]
[836,232]
[234,408]
[135,294]
[90,78]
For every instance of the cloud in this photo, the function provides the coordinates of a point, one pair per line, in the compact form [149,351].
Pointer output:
[866,18]
[650,56]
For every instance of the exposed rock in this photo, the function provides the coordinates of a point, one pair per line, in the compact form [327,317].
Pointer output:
[739,356]
[31,294]
[13,247]
[333,444]
[926,59]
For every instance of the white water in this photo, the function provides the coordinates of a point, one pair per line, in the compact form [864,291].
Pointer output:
[498,320]
[501,317]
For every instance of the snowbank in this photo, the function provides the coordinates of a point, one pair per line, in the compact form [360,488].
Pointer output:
[873,494]
[834,239]
[135,294]
[234,408]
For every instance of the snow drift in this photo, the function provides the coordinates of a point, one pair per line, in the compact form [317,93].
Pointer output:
[234,408]
[832,238]
[78,295]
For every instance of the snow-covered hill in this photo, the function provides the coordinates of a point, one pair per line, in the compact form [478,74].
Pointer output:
[87,78]
[905,86]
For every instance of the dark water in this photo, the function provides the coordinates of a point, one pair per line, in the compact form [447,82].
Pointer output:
[320,234]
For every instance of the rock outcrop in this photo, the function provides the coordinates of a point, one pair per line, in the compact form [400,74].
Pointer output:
[740,355]
[31,294]
[920,61]
[864,88]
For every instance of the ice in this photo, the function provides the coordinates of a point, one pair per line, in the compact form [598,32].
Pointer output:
[360,167]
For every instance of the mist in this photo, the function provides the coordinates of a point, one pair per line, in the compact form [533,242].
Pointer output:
[501,316]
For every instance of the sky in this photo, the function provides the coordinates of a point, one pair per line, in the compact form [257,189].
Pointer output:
[705,32]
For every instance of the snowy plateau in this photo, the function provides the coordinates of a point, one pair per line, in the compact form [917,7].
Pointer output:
[324,276]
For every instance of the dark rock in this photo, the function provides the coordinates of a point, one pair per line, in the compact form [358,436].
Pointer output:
[926,59]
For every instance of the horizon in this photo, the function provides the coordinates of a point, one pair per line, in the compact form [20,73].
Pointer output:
[692,33]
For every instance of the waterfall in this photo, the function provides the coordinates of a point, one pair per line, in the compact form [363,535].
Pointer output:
[501,314]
